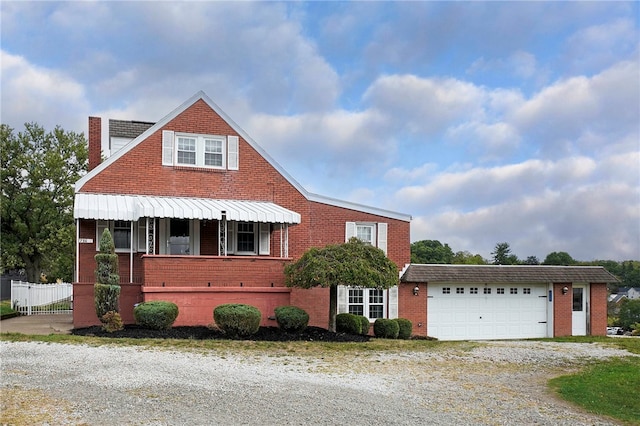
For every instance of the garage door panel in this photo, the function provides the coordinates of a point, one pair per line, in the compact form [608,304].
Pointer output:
[468,311]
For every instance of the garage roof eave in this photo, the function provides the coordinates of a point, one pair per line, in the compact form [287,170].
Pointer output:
[430,273]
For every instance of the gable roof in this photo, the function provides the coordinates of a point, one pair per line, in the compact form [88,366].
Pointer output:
[506,274]
[202,96]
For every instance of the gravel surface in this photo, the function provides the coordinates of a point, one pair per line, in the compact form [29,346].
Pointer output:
[495,383]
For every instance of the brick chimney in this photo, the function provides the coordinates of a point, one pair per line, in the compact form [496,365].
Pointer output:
[95,142]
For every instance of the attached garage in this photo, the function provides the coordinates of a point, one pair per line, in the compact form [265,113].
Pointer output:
[460,311]
[472,302]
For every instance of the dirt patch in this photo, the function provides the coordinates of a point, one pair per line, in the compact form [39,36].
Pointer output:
[270,334]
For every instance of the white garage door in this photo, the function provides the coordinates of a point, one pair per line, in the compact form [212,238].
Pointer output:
[473,311]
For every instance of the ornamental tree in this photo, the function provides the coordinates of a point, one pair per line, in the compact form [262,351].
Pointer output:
[354,263]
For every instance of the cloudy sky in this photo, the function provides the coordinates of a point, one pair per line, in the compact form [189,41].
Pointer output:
[487,122]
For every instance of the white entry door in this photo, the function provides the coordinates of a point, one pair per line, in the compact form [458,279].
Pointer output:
[477,311]
[579,314]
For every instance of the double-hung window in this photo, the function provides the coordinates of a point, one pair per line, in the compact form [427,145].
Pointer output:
[368,302]
[213,152]
[121,234]
[248,238]
[186,150]
[365,233]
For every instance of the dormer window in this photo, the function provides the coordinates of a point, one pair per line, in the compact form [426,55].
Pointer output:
[193,150]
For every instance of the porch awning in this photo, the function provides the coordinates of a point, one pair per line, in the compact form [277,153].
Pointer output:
[133,207]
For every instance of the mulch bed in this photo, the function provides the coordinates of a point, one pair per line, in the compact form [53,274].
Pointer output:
[270,334]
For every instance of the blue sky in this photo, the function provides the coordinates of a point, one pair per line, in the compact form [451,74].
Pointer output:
[488,122]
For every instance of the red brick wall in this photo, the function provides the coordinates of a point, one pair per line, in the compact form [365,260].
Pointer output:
[196,304]
[414,308]
[315,301]
[598,318]
[327,226]
[202,271]
[562,310]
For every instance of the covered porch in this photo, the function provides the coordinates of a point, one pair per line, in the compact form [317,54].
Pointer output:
[174,241]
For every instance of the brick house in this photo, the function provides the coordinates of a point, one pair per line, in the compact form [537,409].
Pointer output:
[201,215]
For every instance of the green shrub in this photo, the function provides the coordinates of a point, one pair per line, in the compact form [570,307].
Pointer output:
[156,314]
[237,320]
[386,328]
[111,321]
[291,318]
[404,328]
[348,323]
[365,325]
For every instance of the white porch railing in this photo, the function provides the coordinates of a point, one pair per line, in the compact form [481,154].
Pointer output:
[38,299]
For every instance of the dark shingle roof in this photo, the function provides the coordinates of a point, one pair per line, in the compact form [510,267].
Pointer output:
[416,273]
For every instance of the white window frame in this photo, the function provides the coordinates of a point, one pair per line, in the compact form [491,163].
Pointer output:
[110,224]
[367,294]
[369,228]
[261,238]
[378,232]
[201,150]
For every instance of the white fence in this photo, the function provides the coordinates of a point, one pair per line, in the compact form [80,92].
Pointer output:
[37,299]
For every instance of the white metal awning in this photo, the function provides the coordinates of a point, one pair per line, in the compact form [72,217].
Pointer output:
[133,207]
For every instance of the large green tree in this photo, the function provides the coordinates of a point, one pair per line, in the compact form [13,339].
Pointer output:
[38,169]
[431,251]
[502,255]
[561,258]
[351,264]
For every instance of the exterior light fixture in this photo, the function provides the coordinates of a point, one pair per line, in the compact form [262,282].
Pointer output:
[416,289]
[565,289]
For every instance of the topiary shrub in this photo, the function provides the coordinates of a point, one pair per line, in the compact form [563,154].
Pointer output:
[107,287]
[348,323]
[237,320]
[292,318]
[386,328]
[156,314]
[404,328]
[365,325]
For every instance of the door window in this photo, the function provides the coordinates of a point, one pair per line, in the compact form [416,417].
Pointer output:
[578,297]
[179,237]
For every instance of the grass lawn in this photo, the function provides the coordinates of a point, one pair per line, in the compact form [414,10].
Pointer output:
[609,388]
[5,308]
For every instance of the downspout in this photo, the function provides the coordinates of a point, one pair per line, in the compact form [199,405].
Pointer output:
[131,255]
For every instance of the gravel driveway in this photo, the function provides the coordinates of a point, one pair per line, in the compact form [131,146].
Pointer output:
[494,383]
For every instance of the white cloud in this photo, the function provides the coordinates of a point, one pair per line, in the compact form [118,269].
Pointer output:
[598,46]
[608,102]
[424,105]
[46,96]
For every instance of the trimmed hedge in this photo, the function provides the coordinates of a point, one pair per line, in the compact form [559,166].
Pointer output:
[292,318]
[405,327]
[365,325]
[348,323]
[237,319]
[386,328]
[156,314]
